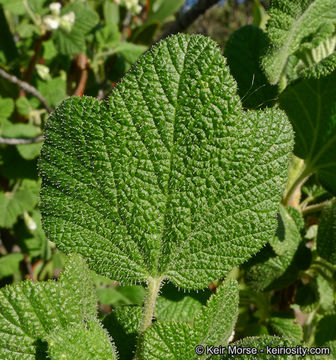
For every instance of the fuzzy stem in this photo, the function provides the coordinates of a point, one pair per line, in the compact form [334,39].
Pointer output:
[153,289]
[300,180]
[315,207]
[150,301]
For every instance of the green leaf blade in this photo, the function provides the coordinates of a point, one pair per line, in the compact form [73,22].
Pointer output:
[137,185]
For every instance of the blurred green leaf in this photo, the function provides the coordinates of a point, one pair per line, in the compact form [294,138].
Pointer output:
[307,297]
[111,12]
[163,10]
[73,42]
[284,324]
[24,131]
[7,44]
[121,295]
[13,204]
[54,90]
[6,108]
[108,36]
[16,7]
[9,264]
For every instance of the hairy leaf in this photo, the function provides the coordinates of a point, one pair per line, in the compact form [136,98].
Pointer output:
[243,52]
[311,107]
[326,236]
[291,25]
[123,325]
[29,311]
[284,324]
[179,306]
[79,342]
[169,178]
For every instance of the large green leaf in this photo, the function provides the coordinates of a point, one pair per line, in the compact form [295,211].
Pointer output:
[311,107]
[30,311]
[169,178]
[213,325]
[243,52]
[291,25]
[78,342]
[326,236]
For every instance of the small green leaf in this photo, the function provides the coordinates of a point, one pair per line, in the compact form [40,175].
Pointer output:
[179,306]
[13,204]
[108,36]
[6,108]
[326,236]
[169,178]
[111,12]
[284,324]
[311,108]
[73,42]
[164,10]
[78,342]
[273,260]
[215,323]
[9,264]
[54,90]
[30,311]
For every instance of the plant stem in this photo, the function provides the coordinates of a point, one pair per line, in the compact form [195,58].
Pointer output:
[26,87]
[300,180]
[153,288]
[315,208]
[150,301]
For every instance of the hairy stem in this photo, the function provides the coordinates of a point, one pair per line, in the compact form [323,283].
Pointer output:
[315,208]
[153,289]
[150,301]
[299,181]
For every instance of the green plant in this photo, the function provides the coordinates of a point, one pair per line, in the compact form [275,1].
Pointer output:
[182,179]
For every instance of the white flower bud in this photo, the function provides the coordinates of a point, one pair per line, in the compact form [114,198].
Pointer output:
[30,223]
[51,22]
[67,21]
[55,8]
